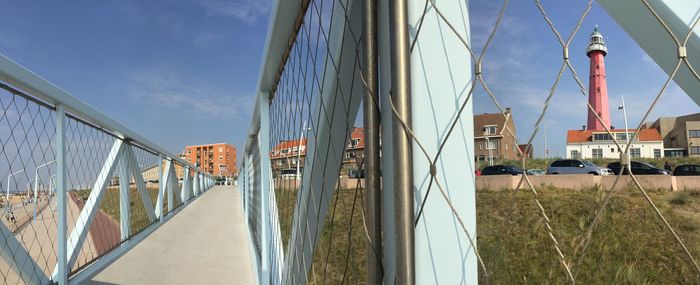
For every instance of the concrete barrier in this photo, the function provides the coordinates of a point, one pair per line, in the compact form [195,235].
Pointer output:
[586,181]
[566,181]
[497,182]
[688,182]
[666,182]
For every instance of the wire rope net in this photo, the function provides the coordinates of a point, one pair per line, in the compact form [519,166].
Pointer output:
[532,221]
[26,155]
[619,230]
[314,135]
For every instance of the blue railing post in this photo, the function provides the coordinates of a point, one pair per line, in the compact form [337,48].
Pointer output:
[265,180]
[62,263]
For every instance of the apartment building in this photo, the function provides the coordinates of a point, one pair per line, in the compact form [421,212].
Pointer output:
[218,159]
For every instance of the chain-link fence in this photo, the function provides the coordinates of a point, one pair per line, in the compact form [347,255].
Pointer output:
[64,163]
[315,74]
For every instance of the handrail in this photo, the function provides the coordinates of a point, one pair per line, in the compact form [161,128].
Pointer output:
[33,84]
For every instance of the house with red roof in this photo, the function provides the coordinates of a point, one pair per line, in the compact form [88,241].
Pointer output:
[588,144]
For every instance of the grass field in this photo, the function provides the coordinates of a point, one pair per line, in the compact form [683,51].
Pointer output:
[340,254]
[110,205]
[629,246]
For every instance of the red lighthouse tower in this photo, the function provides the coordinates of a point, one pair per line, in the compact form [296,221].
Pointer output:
[597,86]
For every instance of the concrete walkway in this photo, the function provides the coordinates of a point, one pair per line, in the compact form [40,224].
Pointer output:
[205,243]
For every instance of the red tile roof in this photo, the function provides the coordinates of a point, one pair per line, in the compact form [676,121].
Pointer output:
[357,133]
[578,136]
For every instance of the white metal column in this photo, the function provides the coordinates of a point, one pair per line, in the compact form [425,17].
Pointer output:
[124,199]
[61,276]
[440,82]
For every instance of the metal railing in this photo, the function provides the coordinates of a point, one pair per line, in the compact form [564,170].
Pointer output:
[416,70]
[81,188]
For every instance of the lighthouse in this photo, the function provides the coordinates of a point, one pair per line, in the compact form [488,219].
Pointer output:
[597,85]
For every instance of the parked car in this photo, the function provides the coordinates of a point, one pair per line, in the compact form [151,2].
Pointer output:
[687,170]
[575,166]
[639,167]
[356,173]
[502,170]
[535,172]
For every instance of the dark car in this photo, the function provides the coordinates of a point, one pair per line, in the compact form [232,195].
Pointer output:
[687,170]
[502,170]
[356,173]
[639,167]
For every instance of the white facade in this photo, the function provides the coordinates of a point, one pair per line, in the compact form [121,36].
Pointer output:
[608,149]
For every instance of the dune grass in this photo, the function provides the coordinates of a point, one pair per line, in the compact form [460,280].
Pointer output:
[110,205]
[630,244]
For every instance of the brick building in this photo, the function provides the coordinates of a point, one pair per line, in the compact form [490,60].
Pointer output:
[287,153]
[491,139]
[217,159]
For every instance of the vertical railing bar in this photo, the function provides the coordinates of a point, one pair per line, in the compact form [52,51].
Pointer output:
[371,159]
[264,153]
[124,191]
[403,166]
[62,244]
[159,199]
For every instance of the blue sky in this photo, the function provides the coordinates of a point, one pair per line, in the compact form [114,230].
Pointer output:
[525,56]
[184,72]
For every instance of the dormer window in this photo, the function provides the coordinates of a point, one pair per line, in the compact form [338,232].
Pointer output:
[490,129]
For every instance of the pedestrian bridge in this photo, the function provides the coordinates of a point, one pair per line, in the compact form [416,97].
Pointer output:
[205,243]
[320,198]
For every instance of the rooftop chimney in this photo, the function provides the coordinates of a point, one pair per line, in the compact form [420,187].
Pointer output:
[583,128]
[507,110]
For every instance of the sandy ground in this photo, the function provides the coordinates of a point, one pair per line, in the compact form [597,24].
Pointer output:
[39,237]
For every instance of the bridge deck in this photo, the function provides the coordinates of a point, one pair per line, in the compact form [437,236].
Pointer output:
[203,244]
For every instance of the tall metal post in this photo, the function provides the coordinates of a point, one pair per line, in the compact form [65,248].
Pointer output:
[265,182]
[403,164]
[62,243]
[161,184]
[124,199]
[373,210]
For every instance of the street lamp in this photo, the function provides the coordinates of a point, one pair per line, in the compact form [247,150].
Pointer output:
[624,114]
[36,185]
[7,193]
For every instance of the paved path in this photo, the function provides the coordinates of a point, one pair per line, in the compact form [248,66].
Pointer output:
[203,244]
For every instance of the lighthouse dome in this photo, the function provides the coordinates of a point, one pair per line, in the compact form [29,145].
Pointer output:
[596,42]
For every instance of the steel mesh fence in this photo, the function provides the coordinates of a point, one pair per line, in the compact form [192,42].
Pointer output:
[317,229]
[110,176]
[566,248]
[316,97]
[27,130]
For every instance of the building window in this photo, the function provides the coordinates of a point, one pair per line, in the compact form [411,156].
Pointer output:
[575,154]
[189,151]
[221,158]
[612,149]
[695,150]
[285,151]
[349,155]
[657,153]
[490,130]
[481,146]
[221,149]
[597,152]
[694,133]
[490,145]
[354,142]
[635,152]
[602,137]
